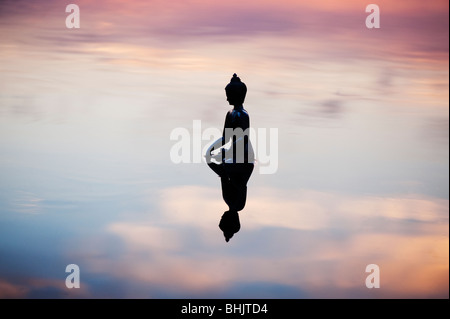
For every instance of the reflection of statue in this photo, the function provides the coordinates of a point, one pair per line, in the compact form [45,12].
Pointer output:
[234,165]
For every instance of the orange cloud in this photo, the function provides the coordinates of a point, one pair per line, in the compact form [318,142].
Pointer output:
[413,260]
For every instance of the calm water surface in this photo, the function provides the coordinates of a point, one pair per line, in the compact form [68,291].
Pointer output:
[86,175]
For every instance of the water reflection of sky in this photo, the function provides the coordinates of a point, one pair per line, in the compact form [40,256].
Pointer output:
[86,177]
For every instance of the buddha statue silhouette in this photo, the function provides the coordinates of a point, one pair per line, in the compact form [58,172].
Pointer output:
[234,164]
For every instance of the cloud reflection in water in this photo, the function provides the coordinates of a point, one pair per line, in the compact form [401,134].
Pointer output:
[85,118]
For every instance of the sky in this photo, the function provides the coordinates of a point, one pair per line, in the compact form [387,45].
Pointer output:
[362,150]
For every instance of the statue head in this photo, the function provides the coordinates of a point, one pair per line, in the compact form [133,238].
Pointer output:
[236,91]
[229,224]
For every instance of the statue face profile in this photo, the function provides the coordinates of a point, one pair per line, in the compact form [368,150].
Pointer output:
[236,91]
